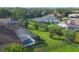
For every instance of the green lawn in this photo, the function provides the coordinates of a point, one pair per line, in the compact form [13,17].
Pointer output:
[68,48]
[51,42]
[45,36]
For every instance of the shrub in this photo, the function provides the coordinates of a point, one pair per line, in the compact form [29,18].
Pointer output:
[14,48]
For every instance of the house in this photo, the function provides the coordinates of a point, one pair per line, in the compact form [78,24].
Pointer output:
[47,18]
[71,23]
[6,21]
[73,16]
[19,35]
[63,25]
[25,36]
[7,36]
[14,33]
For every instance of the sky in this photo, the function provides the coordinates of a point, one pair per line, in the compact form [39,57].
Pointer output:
[39,3]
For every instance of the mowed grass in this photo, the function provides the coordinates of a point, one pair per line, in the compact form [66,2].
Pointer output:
[68,48]
[45,36]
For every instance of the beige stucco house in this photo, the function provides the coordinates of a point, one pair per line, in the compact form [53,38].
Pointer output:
[72,22]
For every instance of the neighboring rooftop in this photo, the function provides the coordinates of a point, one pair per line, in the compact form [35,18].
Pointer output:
[72,22]
[47,18]
[6,21]
[7,36]
[10,32]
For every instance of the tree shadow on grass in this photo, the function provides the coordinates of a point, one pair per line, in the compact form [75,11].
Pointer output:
[37,45]
[58,38]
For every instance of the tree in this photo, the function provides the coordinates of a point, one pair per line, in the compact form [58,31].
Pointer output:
[18,13]
[26,23]
[46,28]
[4,13]
[56,29]
[51,34]
[36,25]
[64,11]
[69,35]
[14,48]
[21,21]
[43,26]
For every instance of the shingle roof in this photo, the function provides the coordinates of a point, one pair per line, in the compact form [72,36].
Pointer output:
[47,18]
[7,36]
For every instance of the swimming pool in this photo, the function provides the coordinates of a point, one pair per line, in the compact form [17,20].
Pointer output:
[25,38]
